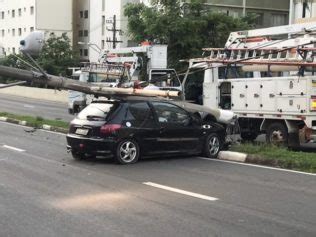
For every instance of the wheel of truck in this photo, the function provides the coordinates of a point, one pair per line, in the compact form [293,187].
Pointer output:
[277,134]
[248,137]
[127,152]
[213,145]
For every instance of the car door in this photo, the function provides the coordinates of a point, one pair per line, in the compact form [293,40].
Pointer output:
[177,131]
[141,124]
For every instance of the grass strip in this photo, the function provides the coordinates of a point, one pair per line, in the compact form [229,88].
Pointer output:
[36,122]
[278,157]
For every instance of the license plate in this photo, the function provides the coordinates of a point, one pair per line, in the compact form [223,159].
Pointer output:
[82,131]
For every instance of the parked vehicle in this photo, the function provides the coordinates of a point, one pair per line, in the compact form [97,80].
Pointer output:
[126,67]
[267,78]
[133,127]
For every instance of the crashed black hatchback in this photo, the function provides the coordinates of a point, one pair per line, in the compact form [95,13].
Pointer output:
[137,127]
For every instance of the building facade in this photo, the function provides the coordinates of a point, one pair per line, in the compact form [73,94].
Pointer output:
[269,12]
[302,11]
[94,25]
[100,24]
[19,18]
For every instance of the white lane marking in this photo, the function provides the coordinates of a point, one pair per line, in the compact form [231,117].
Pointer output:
[175,190]
[13,148]
[257,166]
[29,106]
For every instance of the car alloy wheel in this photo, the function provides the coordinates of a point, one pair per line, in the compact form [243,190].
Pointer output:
[127,152]
[213,146]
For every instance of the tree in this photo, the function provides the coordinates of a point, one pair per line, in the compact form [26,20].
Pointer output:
[186,28]
[57,55]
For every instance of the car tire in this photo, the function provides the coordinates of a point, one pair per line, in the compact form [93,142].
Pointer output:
[213,146]
[77,155]
[127,152]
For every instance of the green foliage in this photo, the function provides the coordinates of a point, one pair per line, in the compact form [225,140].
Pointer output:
[278,156]
[57,55]
[186,28]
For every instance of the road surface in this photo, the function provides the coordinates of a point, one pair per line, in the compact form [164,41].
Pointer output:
[43,192]
[27,106]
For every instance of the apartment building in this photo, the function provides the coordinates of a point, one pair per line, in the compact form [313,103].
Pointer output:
[269,12]
[100,24]
[19,18]
[302,11]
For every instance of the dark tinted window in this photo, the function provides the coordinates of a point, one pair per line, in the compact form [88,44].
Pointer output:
[139,114]
[169,113]
[96,112]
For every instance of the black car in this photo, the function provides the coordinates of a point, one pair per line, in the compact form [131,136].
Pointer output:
[128,128]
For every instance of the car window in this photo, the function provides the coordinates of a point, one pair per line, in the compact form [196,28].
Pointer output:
[140,114]
[96,112]
[169,113]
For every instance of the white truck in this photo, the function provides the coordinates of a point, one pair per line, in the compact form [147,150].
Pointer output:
[122,67]
[266,77]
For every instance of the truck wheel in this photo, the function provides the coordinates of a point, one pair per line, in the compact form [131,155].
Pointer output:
[127,152]
[213,146]
[277,134]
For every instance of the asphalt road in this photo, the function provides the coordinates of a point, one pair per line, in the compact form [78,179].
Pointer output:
[33,107]
[43,192]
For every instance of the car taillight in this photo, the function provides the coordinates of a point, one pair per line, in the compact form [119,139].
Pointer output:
[313,103]
[109,129]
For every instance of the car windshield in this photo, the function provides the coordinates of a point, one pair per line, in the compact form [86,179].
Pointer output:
[96,112]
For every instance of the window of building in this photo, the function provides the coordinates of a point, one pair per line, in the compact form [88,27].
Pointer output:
[85,33]
[81,52]
[81,14]
[32,10]
[31,29]
[13,50]
[258,17]
[13,13]
[86,52]
[20,12]
[24,9]
[103,25]
[24,29]
[103,5]
[278,19]
[20,31]
[13,32]
[2,15]
[80,33]
[102,44]
[86,14]
[3,33]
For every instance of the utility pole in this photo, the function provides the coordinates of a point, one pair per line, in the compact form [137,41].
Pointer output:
[114,30]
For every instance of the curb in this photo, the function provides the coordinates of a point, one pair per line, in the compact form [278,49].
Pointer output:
[25,123]
[247,158]
[232,156]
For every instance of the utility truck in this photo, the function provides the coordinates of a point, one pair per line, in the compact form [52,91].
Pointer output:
[266,77]
[142,66]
